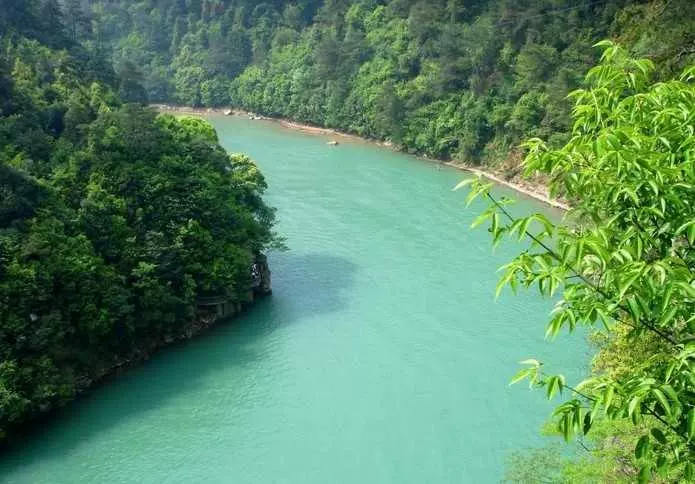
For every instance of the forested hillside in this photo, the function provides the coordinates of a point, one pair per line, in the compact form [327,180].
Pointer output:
[466,80]
[112,219]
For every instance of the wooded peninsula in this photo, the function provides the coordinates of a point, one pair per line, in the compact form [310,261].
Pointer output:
[118,222]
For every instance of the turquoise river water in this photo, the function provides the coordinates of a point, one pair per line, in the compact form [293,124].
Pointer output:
[382,356]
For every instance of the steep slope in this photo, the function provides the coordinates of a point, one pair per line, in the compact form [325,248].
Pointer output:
[444,78]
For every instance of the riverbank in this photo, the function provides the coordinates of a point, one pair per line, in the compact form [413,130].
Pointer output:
[367,302]
[530,188]
[208,315]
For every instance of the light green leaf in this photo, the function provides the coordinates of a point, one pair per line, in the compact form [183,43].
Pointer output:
[633,406]
[662,400]
[520,376]
[608,398]
[667,317]
[480,219]
[465,183]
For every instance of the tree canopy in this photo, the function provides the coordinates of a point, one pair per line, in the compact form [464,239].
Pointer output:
[113,219]
[449,79]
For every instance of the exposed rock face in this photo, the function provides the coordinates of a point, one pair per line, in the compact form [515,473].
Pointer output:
[222,307]
[265,284]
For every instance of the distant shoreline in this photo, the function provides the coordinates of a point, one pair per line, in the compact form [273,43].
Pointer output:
[533,190]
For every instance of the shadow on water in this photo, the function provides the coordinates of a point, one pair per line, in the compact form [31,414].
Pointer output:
[311,283]
[304,285]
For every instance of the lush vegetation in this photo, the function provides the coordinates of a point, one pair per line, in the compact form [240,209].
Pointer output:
[624,264]
[447,78]
[113,220]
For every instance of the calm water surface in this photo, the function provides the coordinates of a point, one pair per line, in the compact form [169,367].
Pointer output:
[382,356]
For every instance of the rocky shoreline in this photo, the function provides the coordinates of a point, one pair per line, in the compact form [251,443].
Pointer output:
[205,319]
[530,188]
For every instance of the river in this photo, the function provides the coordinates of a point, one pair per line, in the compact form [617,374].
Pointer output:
[382,356]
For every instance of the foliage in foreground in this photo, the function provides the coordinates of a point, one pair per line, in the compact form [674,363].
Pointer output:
[623,262]
[112,221]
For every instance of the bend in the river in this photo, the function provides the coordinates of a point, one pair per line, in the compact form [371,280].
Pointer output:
[382,356]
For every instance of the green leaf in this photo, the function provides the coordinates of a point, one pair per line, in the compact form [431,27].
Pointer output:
[523,228]
[521,375]
[662,400]
[604,43]
[566,427]
[477,190]
[662,466]
[628,282]
[608,398]
[639,247]
[658,435]
[465,183]
[691,423]
[495,223]
[689,229]
[642,447]
[480,219]
[588,421]
[673,397]
[555,384]
[688,289]
[635,310]
[550,388]
[634,407]
[689,471]
[497,237]
[506,279]
[667,317]
[666,301]
[548,226]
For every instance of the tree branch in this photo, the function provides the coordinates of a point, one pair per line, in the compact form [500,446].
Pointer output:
[584,279]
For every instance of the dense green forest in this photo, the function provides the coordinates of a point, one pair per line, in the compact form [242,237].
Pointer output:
[469,81]
[113,220]
[460,79]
